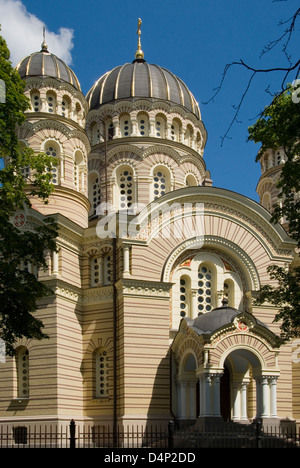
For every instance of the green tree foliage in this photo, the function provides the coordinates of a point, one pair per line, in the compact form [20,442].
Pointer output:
[279,128]
[20,289]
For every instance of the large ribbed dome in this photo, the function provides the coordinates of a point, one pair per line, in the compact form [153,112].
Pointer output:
[140,79]
[44,64]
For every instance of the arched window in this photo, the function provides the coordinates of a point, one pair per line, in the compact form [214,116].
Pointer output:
[160,126]
[185,290]
[94,193]
[96,271]
[107,268]
[126,187]
[110,131]
[95,133]
[101,269]
[22,365]
[205,289]
[78,170]
[266,201]
[143,125]
[125,126]
[191,181]
[35,101]
[51,102]
[77,112]
[52,149]
[229,291]
[161,181]
[65,106]
[102,373]
[175,131]
[198,142]
[200,282]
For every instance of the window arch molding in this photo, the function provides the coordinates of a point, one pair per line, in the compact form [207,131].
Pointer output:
[207,280]
[94,191]
[162,180]
[160,125]
[143,124]
[101,362]
[51,101]
[125,125]
[35,99]
[22,368]
[53,148]
[125,186]
[66,106]
[101,266]
[176,129]
[78,169]
[267,201]
[191,180]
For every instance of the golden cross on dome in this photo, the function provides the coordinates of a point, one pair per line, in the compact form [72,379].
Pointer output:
[139,53]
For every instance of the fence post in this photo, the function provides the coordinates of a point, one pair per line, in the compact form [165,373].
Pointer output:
[170,434]
[72,434]
[259,434]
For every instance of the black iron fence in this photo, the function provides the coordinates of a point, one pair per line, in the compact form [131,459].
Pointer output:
[77,436]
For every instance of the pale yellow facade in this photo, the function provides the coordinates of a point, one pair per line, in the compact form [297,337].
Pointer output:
[126,321]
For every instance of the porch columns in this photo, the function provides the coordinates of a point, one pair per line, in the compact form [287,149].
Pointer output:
[240,401]
[182,400]
[266,396]
[273,397]
[192,394]
[210,395]
[265,403]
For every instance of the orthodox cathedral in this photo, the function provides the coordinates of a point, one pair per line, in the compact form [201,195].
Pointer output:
[153,314]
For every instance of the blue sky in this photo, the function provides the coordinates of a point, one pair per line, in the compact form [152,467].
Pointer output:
[194,39]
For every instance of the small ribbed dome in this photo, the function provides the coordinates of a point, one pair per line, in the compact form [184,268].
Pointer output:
[217,318]
[141,80]
[44,64]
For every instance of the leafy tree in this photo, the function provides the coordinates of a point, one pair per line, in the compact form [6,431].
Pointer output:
[279,128]
[20,289]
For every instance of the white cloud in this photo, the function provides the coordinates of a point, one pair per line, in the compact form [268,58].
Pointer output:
[23,33]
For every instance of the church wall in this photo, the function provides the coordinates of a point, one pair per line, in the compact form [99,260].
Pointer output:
[296,379]
[284,397]
[62,201]
[143,337]
[42,398]
[69,356]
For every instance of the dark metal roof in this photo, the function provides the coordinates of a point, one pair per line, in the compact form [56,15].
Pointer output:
[141,80]
[217,318]
[211,321]
[44,64]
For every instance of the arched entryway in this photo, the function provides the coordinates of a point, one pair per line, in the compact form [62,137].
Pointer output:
[248,389]
[187,388]
[239,401]
[230,374]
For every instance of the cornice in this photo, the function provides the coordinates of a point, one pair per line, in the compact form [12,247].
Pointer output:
[78,295]
[145,289]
